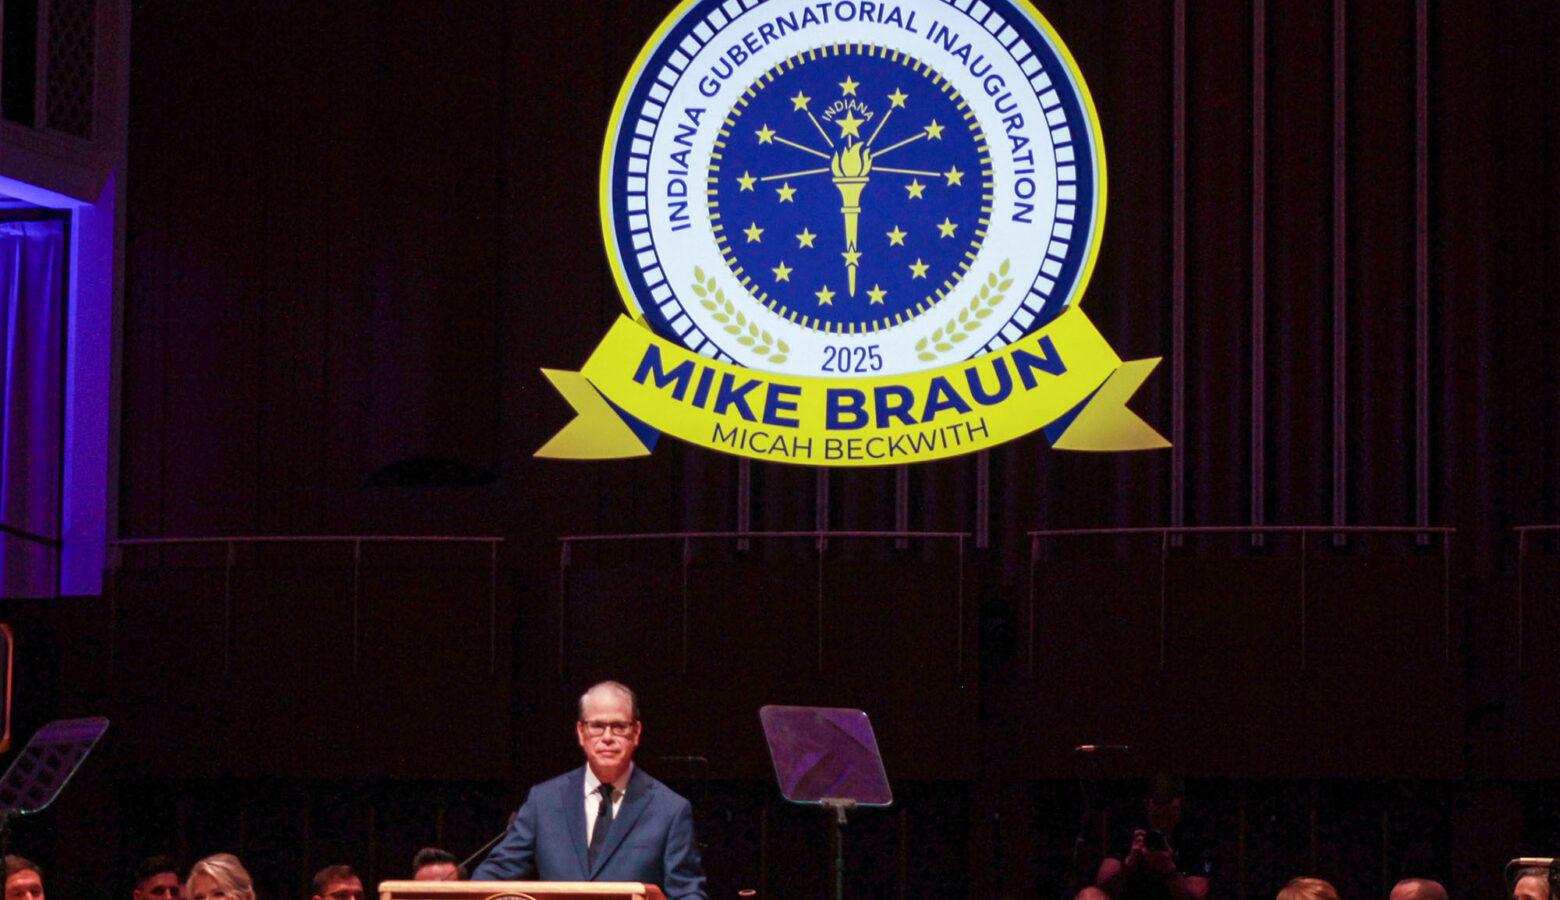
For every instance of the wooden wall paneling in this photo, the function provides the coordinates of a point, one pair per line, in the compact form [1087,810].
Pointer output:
[1235,688]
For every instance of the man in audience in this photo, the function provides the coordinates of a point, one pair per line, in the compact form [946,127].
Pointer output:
[1161,858]
[1531,884]
[1418,889]
[434,864]
[157,878]
[337,883]
[23,879]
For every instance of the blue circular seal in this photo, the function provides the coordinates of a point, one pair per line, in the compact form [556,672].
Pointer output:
[803,150]
[789,184]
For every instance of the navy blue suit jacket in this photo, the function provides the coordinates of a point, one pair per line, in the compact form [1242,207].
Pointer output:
[651,839]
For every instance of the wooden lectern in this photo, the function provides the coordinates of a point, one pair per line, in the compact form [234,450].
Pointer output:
[517,890]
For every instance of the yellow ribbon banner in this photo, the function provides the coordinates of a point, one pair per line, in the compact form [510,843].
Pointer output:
[1063,377]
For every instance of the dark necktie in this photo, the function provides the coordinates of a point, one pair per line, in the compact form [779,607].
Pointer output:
[598,834]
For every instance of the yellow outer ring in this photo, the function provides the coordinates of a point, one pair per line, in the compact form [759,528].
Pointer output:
[615,123]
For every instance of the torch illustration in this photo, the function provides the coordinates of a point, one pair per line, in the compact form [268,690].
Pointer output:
[851,167]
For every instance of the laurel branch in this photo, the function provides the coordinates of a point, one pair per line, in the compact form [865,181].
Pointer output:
[957,329]
[735,323]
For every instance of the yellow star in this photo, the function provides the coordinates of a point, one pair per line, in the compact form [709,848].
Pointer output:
[805,239]
[782,272]
[934,131]
[747,181]
[825,296]
[765,135]
[800,102]
[954,176]
[852,257]
[918,269]
[896,238]
[916,189]
[877,294]
[786,192]
[947,227]
[898,98]
[753,232]
[848,87]
[850,125]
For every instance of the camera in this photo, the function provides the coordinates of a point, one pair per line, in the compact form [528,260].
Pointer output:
[1155,840]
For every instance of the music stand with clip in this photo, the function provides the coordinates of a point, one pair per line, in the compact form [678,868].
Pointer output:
[42,768]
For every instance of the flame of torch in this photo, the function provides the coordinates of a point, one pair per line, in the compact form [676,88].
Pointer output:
[850,167]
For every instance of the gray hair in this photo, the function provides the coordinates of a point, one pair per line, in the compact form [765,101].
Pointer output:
[617,687]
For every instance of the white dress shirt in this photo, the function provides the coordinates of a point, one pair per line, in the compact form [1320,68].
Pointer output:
[593,797]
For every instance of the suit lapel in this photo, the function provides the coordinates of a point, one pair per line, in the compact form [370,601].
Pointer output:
[638,800]
[574,818]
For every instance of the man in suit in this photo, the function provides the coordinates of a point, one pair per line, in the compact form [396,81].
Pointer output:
[607,820]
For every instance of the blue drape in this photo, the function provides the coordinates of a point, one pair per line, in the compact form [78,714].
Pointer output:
[32,295]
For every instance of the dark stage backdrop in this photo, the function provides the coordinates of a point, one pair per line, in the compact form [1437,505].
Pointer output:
[357,231]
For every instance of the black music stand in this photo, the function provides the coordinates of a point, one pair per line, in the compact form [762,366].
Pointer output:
[42,768]
[828,758]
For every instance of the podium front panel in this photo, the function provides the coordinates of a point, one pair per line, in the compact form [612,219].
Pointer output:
[517,890]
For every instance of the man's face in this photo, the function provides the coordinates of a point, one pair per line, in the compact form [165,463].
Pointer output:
[24,885]
[609,753]
[343,889]
[162,886]
[435,872]
[1163,816]
[1530,887]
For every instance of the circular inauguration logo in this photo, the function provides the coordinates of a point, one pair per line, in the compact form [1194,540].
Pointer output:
[852,233]
[847,189]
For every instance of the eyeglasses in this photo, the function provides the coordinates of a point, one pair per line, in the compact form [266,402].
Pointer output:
[619,729]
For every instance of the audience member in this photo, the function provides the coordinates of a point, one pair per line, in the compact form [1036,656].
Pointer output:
[337,883]
[1161,858]
[1531,884]
[219,877]
[1418,889]
[434,864]
[1308,889]
[157,878]
[23,879]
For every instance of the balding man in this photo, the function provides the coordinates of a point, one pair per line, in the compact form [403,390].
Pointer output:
[1418,889]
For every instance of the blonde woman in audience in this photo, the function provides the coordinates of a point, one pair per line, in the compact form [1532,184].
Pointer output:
[219,877]
[1308,889]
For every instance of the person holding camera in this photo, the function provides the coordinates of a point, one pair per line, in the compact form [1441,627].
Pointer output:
[1161,857]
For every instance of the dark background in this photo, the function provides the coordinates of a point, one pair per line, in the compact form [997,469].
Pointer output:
[357,231]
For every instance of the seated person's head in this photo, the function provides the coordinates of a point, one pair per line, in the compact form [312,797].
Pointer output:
[1308,889]
[1418,889]
[157,878]
[23,879]
[219,877]
[1531,884]
[1163,802]
[434,864]
[337,883]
